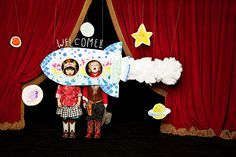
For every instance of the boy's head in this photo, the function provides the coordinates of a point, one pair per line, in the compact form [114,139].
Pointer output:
[94,67]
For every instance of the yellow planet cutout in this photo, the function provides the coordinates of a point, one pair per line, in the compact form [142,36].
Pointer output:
[159,111]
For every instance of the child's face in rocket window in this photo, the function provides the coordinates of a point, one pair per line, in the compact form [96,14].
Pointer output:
[69,71]
[94,67]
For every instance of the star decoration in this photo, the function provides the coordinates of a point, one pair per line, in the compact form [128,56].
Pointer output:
[142,36]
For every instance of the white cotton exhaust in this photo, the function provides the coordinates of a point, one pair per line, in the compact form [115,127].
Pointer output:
[167,71]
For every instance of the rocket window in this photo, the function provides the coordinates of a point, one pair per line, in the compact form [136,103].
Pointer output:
[94,68]
[70,67]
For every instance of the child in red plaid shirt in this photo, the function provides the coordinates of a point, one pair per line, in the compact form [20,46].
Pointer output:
[68,101]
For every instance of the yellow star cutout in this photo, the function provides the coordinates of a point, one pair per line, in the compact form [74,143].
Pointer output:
[142,36]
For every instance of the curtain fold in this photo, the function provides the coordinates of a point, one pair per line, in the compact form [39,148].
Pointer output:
[39,24]
[201,35]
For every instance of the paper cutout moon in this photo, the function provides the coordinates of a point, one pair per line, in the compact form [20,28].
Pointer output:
[32,95]
[87,29]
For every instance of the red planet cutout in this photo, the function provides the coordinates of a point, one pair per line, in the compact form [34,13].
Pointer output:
[15,41]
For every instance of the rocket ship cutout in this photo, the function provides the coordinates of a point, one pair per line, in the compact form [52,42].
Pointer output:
[114,68]
[110,58]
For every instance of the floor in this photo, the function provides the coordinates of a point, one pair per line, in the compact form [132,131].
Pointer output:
[131,133]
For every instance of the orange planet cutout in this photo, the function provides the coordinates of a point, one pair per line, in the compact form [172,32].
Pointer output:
[15,41]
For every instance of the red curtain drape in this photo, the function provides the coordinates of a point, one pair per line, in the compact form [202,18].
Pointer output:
[201,34]
[39,24]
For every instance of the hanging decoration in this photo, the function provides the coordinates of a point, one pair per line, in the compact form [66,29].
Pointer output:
[32,95]
[142,36]
[87,29]
[114,68]
[159,111]
[110,58]
[15,41]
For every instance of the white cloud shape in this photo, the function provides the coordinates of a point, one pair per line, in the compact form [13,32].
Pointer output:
[167,71]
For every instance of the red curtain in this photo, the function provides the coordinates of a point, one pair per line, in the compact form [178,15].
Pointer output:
[39,24]
[201,34]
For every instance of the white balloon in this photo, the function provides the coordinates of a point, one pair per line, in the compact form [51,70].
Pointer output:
[87,29]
